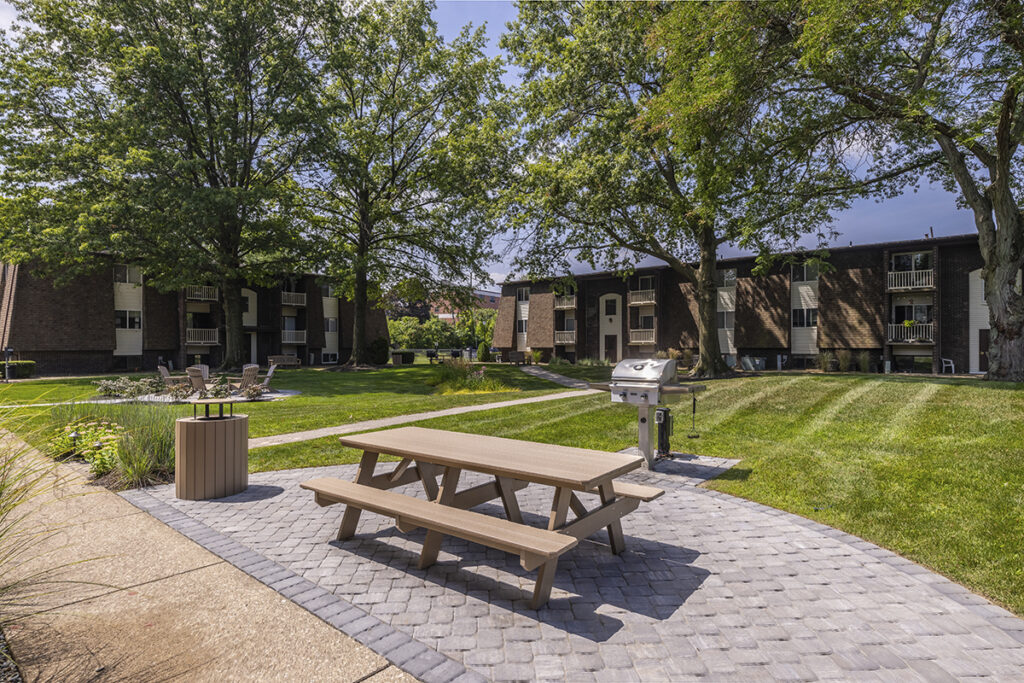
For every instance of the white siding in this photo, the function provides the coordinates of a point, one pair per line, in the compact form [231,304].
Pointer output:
[127,297]
[727,337]
[522,313]
[804,340]
[727,341]
[331,311]
[727,298]
[977,316]
[250,317]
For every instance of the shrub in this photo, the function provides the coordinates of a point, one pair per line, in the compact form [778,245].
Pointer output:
[864,361]
[593,362]
[675,354]
[95,441]
[537,355]
[825,359]
[845,359]
[21,368]
[219,390]
[252,392]
[483,353]
[661,355]
[558,360]
[142,454]
[126,387]
[458,376]
[180,392]
[379,351]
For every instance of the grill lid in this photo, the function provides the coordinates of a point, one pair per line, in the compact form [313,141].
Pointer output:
[645,370]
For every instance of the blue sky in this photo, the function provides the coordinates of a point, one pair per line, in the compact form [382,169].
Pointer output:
[910,216]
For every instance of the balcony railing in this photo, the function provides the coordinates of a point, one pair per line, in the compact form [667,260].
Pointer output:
[911,279]
[565,337]
[293,336]
[911,334]
[293,299]
[565,302]
[640,297]
[642,337]
[203,336]
[201,293]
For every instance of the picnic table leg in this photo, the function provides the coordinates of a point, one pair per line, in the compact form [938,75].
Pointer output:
[545,580]
[508,499]
[429,479]
[615,539]
[363,476]
[559,508]
[432,541]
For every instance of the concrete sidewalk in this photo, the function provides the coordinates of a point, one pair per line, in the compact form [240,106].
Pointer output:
[366,425]
[142,602]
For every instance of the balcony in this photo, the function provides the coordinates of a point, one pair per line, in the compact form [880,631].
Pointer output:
[565,303]
[640,297]
[565,337]
[905,280]
[202,336]
[293,299]
[642,337]
[201,293]
[293,336]
[918,333]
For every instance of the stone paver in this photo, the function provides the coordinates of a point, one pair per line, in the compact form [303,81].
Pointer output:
[366,425]
[711,587]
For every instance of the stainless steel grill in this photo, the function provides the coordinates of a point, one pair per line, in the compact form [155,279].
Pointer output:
[644,382]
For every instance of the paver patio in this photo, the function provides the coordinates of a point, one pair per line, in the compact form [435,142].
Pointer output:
[710,586]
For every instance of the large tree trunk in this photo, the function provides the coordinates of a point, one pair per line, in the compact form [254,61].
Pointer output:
[360,354]
[710,363]
[1006,323]
[234,335]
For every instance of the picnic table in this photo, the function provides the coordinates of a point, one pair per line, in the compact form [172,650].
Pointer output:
[425,454]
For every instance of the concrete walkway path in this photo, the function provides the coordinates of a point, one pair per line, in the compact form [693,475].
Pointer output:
[136,600]
[550,376]
[293,437]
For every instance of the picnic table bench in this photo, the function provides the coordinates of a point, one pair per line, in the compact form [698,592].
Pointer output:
[518,358]
[429,453]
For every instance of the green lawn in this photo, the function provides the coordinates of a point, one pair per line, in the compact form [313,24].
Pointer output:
[929,468]
[326,398]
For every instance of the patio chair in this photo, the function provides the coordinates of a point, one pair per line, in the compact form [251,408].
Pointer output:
[168,379]
[195,376]
[266,380]
[248,378]
[205,370]
[948,363]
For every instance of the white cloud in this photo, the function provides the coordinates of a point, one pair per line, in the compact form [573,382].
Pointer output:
[7,14]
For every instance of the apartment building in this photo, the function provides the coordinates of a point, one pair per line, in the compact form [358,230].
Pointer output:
[911,303]
[112,320]
[447,311]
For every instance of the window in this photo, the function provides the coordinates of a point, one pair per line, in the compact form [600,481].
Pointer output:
[647,321]
[521,326]
[646,282]
[725,278]
[805,317]
[289,322]
[523,294]
[918,260]
[919,313]
[330,324]
[128,320]
[325,291]
[329,357]
[129,274]
[726,320]
[570,324]
[611,307]
[807,272]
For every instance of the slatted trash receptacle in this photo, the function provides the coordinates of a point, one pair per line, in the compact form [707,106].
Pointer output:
[211,452]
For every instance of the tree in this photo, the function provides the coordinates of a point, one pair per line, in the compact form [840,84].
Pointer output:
[163,133]
[927,80]
[409,138]
[609,175]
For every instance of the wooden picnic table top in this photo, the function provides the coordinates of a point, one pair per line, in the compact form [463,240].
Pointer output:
[576,468]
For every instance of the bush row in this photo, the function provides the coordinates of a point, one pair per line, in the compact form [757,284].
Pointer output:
[22,368]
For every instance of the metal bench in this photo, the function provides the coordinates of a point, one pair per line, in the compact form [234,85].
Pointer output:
[537,548]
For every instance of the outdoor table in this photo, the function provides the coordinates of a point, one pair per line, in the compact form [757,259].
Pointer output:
[514,465]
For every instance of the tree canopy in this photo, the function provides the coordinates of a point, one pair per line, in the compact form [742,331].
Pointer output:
[409,141]
[164,134]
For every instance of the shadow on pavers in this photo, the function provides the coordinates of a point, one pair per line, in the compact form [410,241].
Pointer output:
[650,578]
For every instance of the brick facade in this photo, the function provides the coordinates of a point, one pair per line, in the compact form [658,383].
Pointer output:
[762,312]
[505,324]
[957,263]
[851,302]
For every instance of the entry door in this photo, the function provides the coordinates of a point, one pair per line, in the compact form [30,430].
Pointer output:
[611,348]
[983,350]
